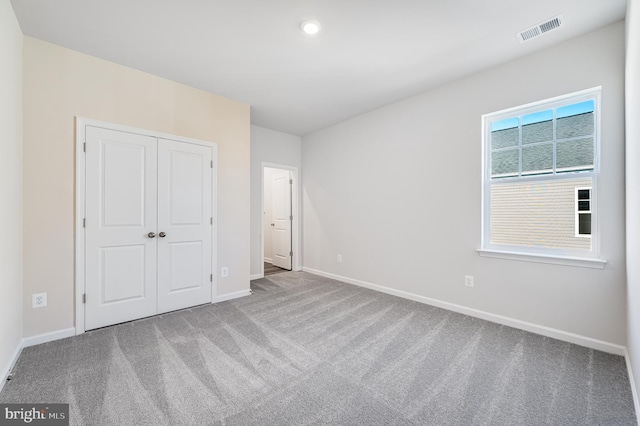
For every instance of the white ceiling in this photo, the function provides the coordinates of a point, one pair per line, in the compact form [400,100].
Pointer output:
[370,52]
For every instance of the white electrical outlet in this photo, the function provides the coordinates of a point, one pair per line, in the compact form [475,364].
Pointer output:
[468,280]
[224,272]
[39,300]
[339,258]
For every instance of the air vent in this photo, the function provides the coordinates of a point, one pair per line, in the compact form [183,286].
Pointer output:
[540,29]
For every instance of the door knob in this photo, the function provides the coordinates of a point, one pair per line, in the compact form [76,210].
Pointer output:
[162,235]
[273,224]
[151,234]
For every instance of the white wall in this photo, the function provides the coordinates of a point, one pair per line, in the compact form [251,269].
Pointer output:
[633,187]
[60,84]
[397,192]
[267,146]
[10,187]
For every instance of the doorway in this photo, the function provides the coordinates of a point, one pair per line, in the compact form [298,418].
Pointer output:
[279,219]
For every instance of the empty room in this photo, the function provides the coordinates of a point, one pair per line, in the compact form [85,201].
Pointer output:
[319,212]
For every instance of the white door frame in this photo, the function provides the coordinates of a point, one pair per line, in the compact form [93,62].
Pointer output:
[296,263]
[81,124]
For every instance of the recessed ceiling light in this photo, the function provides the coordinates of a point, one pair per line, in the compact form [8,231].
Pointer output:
[310,27]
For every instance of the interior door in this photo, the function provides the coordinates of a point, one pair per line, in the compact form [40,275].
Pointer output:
[184,225]
[281,216]
[120,243]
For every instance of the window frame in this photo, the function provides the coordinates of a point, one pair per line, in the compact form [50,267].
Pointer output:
[539,254]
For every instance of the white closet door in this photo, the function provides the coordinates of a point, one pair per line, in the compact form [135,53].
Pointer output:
[120,252]
[184,225]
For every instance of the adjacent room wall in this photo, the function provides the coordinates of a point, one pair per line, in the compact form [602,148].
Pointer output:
[397,192]
[633,188]
[60,84]
[10,187]
[268,146]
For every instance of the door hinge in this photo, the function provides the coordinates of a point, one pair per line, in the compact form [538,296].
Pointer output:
[84,147]
[84,298]
[291,254]
[291,217]
[211,277]
[211,221]
[290,181]
[84,223]
[212,164]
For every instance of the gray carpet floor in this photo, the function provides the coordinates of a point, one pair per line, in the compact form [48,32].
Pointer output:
[305,350]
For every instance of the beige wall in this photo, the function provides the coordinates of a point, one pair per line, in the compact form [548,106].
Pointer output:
[10,186]
[60,84]
[633,189]
[397,192]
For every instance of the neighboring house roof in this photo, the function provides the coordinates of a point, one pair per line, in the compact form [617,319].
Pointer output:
[570,152]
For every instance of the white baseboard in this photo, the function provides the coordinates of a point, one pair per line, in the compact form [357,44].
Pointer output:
[231,296]
[632,382]
[12,362]
[256,277]
[48,337]
[268,260]
[32,341]
[511,322]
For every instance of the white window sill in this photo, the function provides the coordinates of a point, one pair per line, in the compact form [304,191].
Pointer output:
[581,262]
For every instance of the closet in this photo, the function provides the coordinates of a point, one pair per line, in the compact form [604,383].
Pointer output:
[148,225]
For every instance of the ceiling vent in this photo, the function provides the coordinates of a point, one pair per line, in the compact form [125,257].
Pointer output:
[538,30]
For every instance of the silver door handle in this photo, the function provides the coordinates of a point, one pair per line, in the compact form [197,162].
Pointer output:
[273,224]
[162,235]
[151,235]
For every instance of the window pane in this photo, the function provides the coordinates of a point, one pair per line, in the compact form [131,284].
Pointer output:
[584,224]
[574,126]
[537,127]
[537,159]
[537,117]
[504,138]
[584,206]
[507,123]
[575,109]
[584,194]
[575,155]
[505,162]
[537,132]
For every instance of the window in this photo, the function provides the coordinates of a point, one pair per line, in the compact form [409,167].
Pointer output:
[583,212]
[540,172]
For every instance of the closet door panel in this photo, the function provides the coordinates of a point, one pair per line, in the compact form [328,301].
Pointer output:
[120,210]
[184,224]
